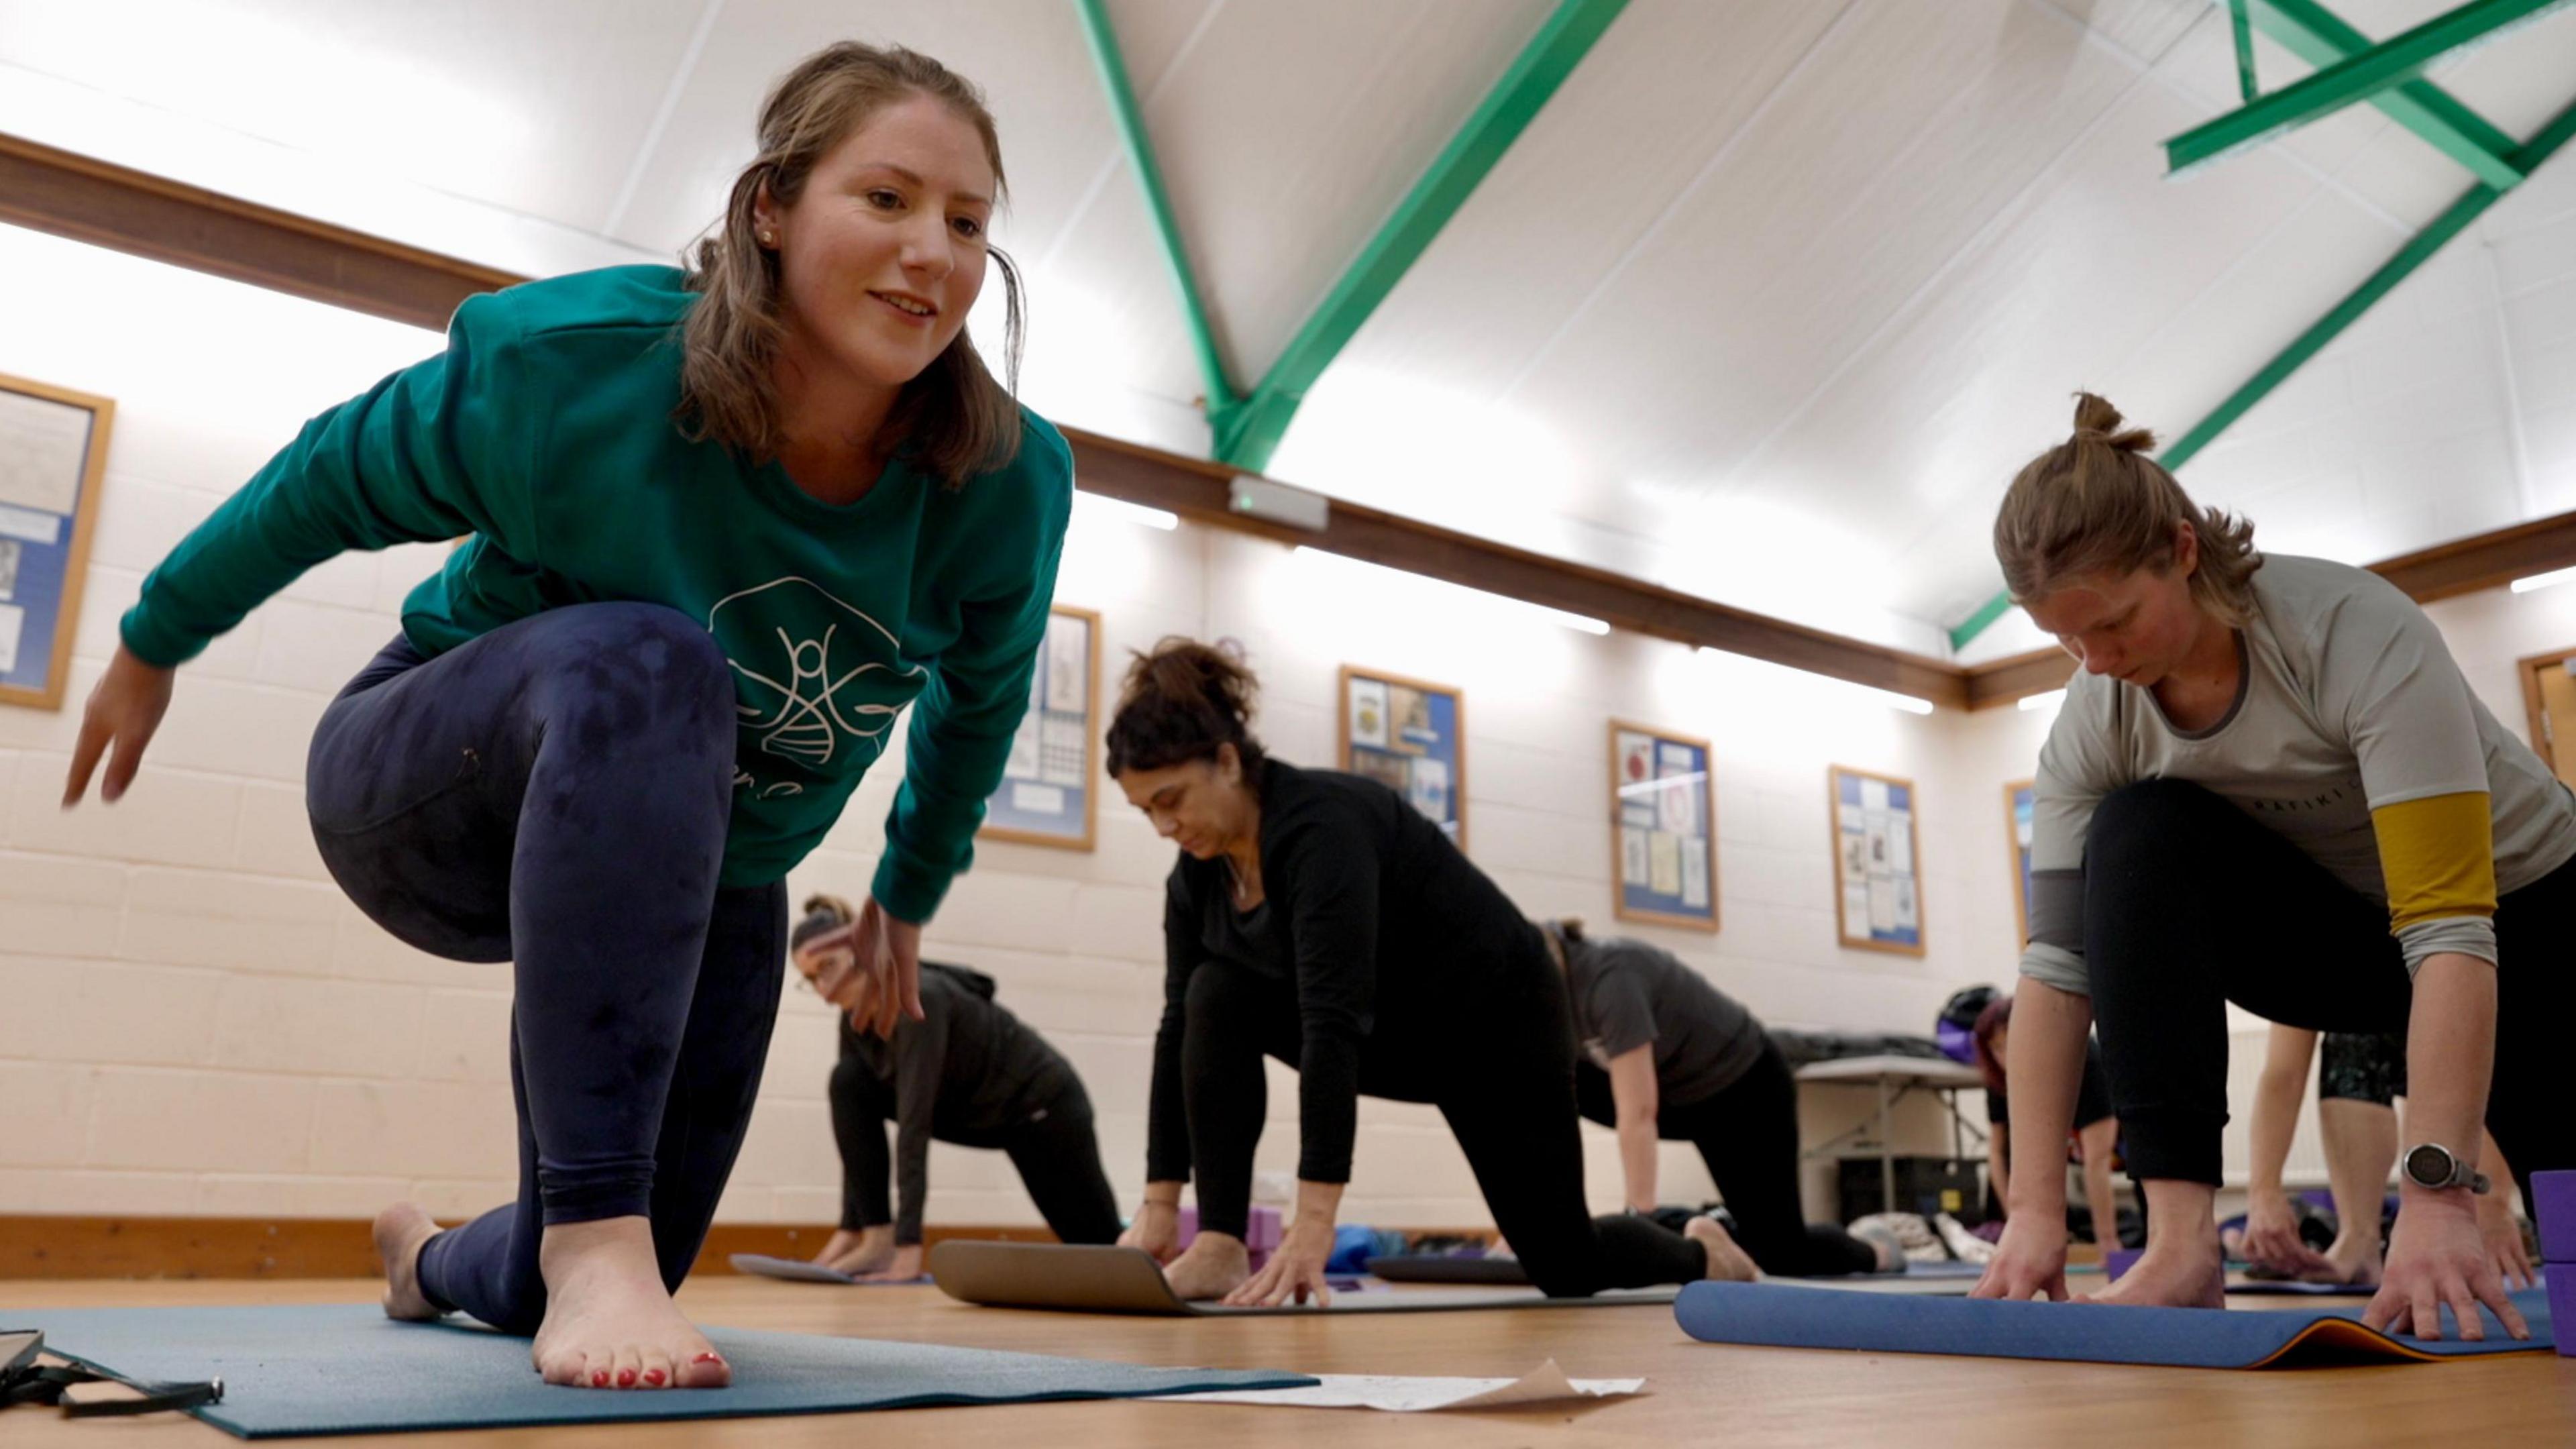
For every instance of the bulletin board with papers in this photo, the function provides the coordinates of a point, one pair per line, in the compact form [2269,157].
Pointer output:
[1663,828]
[53,456]
[1878,895]
[1413,737]
[1049,793]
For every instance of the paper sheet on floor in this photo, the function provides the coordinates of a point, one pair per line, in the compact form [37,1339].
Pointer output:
[1414,1395]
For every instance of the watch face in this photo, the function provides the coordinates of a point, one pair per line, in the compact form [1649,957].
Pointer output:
[2429,1165]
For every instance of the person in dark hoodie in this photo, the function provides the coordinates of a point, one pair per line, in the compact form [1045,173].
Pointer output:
[969,1073]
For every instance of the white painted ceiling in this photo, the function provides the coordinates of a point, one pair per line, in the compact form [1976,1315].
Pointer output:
[1767,303]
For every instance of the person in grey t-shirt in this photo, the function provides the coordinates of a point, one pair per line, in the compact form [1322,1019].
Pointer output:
[2271,785]
[1665,1056]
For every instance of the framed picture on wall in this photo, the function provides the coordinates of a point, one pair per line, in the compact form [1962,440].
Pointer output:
[1412,736]
[1878,894]
[2021,797]
[1050,790]
[53,457]
[1663,828]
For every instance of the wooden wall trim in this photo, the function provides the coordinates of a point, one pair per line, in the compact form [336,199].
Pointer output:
[51,190]
[68,1246]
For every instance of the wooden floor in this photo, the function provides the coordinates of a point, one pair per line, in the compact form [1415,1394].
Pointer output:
[1695,1393]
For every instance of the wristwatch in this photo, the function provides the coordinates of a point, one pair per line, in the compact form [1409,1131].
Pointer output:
[2432,1165]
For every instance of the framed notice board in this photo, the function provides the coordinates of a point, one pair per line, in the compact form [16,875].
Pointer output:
[1663,828]
[53,457]
[2021,798]
[1878,896]
[1412,736]
[1050,790]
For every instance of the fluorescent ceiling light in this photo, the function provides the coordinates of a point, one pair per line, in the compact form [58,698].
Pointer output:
[1581,624]
[1888,697]
[2550,579]
[2050,700]
[1096,506]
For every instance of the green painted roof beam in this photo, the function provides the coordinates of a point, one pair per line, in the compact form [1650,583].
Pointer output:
[2242,25]
[1221,396]
[2354,78]
[2307,30]
[2454,219]
[1247,437]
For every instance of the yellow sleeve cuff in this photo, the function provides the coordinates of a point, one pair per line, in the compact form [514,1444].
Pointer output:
[2437,856]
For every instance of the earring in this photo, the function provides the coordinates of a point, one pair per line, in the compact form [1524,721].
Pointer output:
[769,238]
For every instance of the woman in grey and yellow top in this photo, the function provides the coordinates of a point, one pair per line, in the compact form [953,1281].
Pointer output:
[2269,785]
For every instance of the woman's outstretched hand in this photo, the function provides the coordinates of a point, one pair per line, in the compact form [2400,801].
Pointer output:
[125,707]
[870,968]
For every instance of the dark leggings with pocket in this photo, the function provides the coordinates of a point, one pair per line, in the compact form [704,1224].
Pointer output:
[1501,1070]
[2190,903]
[555,794]
[1748,1136]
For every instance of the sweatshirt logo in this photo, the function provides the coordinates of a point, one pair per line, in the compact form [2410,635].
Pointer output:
[813,675]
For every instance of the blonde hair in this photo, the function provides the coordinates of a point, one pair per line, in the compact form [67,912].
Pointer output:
[2096,504]
[954,420]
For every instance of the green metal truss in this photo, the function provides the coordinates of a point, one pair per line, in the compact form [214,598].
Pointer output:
[1221,396]
[2356,77]
[1247,436]
[2454,219]
[2312,33]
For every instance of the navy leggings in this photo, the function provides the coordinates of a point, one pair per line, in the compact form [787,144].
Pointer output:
[555,794]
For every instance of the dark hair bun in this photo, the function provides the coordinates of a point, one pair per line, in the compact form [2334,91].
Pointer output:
[1182,702]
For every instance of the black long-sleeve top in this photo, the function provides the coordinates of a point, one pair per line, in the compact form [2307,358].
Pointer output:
[968,1073]
[1368,911]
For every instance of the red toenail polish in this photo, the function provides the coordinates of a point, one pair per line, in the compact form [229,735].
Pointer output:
[599,1378]
[707,1358]
[653,1377]
[626,1378]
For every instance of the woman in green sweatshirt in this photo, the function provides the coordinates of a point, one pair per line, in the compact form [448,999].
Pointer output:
[724,526]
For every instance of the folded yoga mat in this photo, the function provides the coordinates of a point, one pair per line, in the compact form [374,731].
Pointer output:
[348,1369]
[1779,1316]
[1084,1279]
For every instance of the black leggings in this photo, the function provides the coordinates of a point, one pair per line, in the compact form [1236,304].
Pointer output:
[2190,903]
[1499,1068]
[1055,1149]
[555,794]
[1748,1136]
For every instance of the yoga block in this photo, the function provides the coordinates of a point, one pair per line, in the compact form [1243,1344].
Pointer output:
[2116,1261]
[2553,1203]
[1261,1234]
[2561,1281]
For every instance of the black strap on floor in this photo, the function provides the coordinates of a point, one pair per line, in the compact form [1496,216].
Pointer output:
[24,1381]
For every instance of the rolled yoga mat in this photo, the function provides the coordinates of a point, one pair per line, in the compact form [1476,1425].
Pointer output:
[347,1369]
[1084,1279]
[1779,1316]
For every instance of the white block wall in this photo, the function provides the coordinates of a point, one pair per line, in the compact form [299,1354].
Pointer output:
[192,1020]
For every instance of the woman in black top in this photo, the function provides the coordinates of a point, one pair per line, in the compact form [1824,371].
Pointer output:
[970,1073]
[1317,918]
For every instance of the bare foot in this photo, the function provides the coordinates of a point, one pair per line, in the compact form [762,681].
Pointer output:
[401,1230]
[609,1322]
[1727,1263]
[2171,1275]
[1211,1267]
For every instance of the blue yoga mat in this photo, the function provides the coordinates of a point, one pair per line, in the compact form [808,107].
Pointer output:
[1778,1316]
[347,1369]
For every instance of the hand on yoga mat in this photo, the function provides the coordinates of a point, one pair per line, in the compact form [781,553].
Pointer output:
[2030,1262]
[124,709]
[2506,1251]
[2436,1257]
[2272,1240]
[1295,1272]
[870,968]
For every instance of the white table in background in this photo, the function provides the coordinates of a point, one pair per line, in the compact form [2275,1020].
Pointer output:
[1896,1078]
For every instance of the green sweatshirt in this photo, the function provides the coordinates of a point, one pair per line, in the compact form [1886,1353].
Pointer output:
[545,431]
